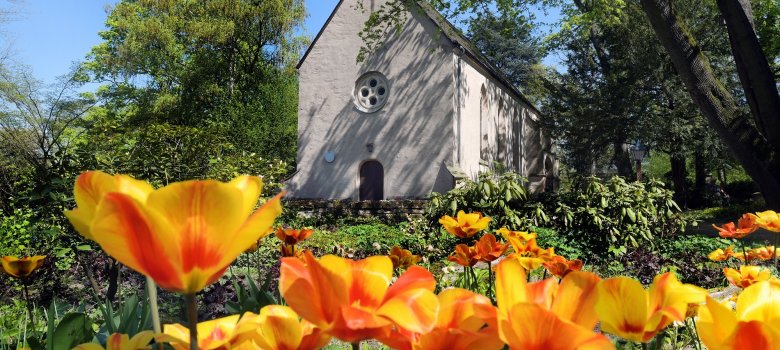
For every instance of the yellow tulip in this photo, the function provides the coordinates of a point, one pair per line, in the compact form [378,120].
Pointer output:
[221,334]
[466,225]
[755,325]
[278,327]
[183,235]
[353,300]
[522,235]
[627,310]
[118,341]
[768,220]
[720,254]
[21,267]
[529,254]
[746,275]
[545,315]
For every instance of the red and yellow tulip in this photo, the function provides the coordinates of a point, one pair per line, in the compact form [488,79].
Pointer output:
[220,334]
[768,220]
[721,255]
[755,325]
[465,225]
[353,300]
[278,327]
[546,315]
[462,324]
[559,266]
[489,249]
[627,310]
[402,258]
[522,235]
[118,341]
[21,267]
[291,236]
[464,255]
[746,276]
[529,254]
[183,235]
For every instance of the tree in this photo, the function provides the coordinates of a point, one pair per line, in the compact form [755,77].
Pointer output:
[753,137]
[38,125]
[225,65]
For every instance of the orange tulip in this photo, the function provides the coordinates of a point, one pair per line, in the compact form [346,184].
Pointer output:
[220,334]
[746,276]
[402,258]
[559,266]
[118,341]
[292,237]
[461,325]
[278,327]
[291,251]
[522,235]
[183,235]
[530,255]
[627,310]
[546,315]
[762,253]
[464,255]
[466,225]
[721,255]
[746,225]
[488,249]
[353,300]
[755,325]
[768,220]
[21,267]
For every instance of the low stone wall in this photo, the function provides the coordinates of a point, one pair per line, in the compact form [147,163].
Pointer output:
[389,211]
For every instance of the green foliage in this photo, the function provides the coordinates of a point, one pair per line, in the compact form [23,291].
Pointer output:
[131,317]
[501,197]
[251,298]
[225,66]
[617,213]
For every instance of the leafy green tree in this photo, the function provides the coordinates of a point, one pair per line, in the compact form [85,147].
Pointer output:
[223,65]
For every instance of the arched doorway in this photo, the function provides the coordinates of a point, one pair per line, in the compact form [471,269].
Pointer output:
[372,181]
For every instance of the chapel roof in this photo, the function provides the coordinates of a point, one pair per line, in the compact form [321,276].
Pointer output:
[455,36]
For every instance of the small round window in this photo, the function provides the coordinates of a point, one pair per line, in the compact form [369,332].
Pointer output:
[371,92]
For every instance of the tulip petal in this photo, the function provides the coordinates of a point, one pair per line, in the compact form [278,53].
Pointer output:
[299,280]
[279,328]
[716,322]
[201,213]
[622,307]
[414,310]
[752,335]
[414,277]
[257,226]
[510,285]
[139,238]
[370,278]
[250,188]
[760,302]
[543,292]
[576,299]
[533,327]
[462,309]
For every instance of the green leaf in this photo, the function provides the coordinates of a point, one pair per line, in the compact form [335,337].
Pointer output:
[73,329]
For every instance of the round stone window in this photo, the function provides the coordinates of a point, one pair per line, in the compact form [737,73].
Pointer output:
[371,92]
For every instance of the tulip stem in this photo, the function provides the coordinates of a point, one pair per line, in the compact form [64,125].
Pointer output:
[151,289]
[777,240]
[27,303]
[356,345]
[192,319]
[644,346]
[744,252]
[696,333]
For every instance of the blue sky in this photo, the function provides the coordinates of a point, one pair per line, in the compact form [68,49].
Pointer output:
[49,35]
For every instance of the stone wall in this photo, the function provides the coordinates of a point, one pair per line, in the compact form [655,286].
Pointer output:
[389,211]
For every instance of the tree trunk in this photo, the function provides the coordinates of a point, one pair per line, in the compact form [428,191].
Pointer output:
[756,76]
[679,178]
[622,160]
[750,147]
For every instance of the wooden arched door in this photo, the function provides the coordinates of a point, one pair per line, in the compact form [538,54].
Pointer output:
[372,181]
